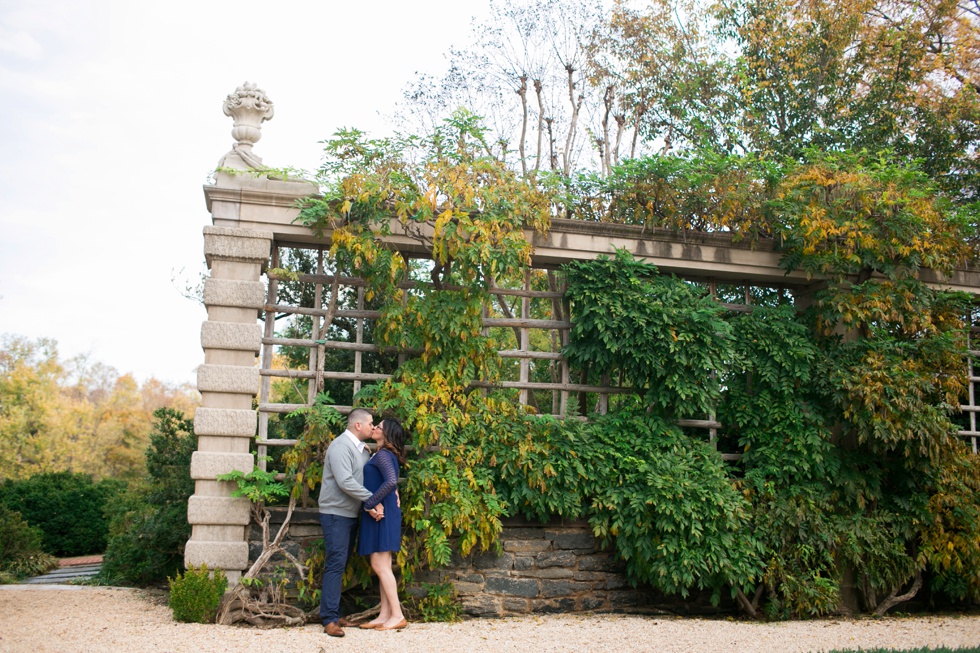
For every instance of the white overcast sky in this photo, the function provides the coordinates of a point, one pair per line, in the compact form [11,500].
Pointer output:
[110,121]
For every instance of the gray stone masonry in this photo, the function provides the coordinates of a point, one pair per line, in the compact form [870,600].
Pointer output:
[225,423]
[542,569]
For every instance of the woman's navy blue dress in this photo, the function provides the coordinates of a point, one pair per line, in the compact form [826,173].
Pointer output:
[381,477]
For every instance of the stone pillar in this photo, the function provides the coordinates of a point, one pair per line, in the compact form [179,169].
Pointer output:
[234,295]
[228,381]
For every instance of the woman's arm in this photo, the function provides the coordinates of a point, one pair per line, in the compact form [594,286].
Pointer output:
[384,460]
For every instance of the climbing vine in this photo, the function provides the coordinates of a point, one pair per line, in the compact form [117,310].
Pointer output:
[842,412]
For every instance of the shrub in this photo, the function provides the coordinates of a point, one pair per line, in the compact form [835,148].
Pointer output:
[67,507]
[195,594]
[20,548]
[440,602]
[148,525]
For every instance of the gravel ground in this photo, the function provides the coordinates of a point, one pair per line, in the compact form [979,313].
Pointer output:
[83,619]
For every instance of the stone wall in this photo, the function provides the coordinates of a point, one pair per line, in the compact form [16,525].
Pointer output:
[542,569]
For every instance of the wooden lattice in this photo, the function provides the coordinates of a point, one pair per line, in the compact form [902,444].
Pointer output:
[561,387]
[971,409]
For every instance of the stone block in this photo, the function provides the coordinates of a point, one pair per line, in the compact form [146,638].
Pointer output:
[515,605]
[470,578]
[526,546]
[522,563]
[228,378]
[302,531]
[523,533]
[625,599]
[218,510]
[575,539]
[235,422]
[512,586]
[615,582]
[416,591]
[556,588]
[206,465]
[236,294]
[597,562]
[242,245]
[309,516]
[553,606]
[231,335]
[491,560]
[555,559]
[593,602]
[481,605]
[429,576]
[223,555]
[552,572]
[467,588]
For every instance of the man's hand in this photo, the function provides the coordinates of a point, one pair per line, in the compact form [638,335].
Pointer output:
[378,512]
[398,499]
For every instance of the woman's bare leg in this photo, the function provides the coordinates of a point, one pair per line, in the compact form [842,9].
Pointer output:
[381,563]
[385,613]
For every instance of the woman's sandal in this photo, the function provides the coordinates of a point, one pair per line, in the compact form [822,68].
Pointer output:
[398,626]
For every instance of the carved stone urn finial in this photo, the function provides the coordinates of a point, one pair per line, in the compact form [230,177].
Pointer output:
[249,106]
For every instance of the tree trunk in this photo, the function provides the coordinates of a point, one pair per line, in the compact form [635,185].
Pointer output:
[891,601]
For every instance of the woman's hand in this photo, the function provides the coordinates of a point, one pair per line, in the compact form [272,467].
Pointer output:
[378,512]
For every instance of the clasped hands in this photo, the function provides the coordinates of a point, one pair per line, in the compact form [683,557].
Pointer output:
[378,512]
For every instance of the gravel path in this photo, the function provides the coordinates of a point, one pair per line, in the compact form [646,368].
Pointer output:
[84,619]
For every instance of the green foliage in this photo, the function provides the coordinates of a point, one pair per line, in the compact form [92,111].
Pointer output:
[196,594]
[476,210]
[20,548]
[310,587]
[773,403]
[951,531]
[304,461]
[67,507]
[257,486]
[440,603]
[853,213]
[538,463]
[665,503]
[148,524]
[701,190]
[663,335]
[842,413]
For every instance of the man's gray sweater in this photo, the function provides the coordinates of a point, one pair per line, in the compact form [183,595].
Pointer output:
[342,490]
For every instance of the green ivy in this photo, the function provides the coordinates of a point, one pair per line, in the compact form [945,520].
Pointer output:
[665,336]
[665,503]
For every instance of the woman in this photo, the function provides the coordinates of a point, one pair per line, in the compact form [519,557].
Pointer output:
[380,537]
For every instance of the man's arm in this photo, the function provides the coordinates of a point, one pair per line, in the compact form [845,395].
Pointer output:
[342,465]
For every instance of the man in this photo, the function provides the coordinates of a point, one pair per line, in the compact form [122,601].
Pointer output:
[341,494]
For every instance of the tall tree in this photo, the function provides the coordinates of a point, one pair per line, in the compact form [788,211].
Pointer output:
[778,77]
[74,415]
[527,72]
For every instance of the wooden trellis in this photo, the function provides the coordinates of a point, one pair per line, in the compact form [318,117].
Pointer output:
[558,327]
[561,387]
[971,409]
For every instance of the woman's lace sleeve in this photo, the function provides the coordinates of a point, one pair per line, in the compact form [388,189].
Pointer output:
[384,460]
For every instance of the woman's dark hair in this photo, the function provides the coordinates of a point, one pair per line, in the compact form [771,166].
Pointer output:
[395,437]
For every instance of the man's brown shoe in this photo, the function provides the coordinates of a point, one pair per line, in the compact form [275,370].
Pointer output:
[347,623]
[333,629]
